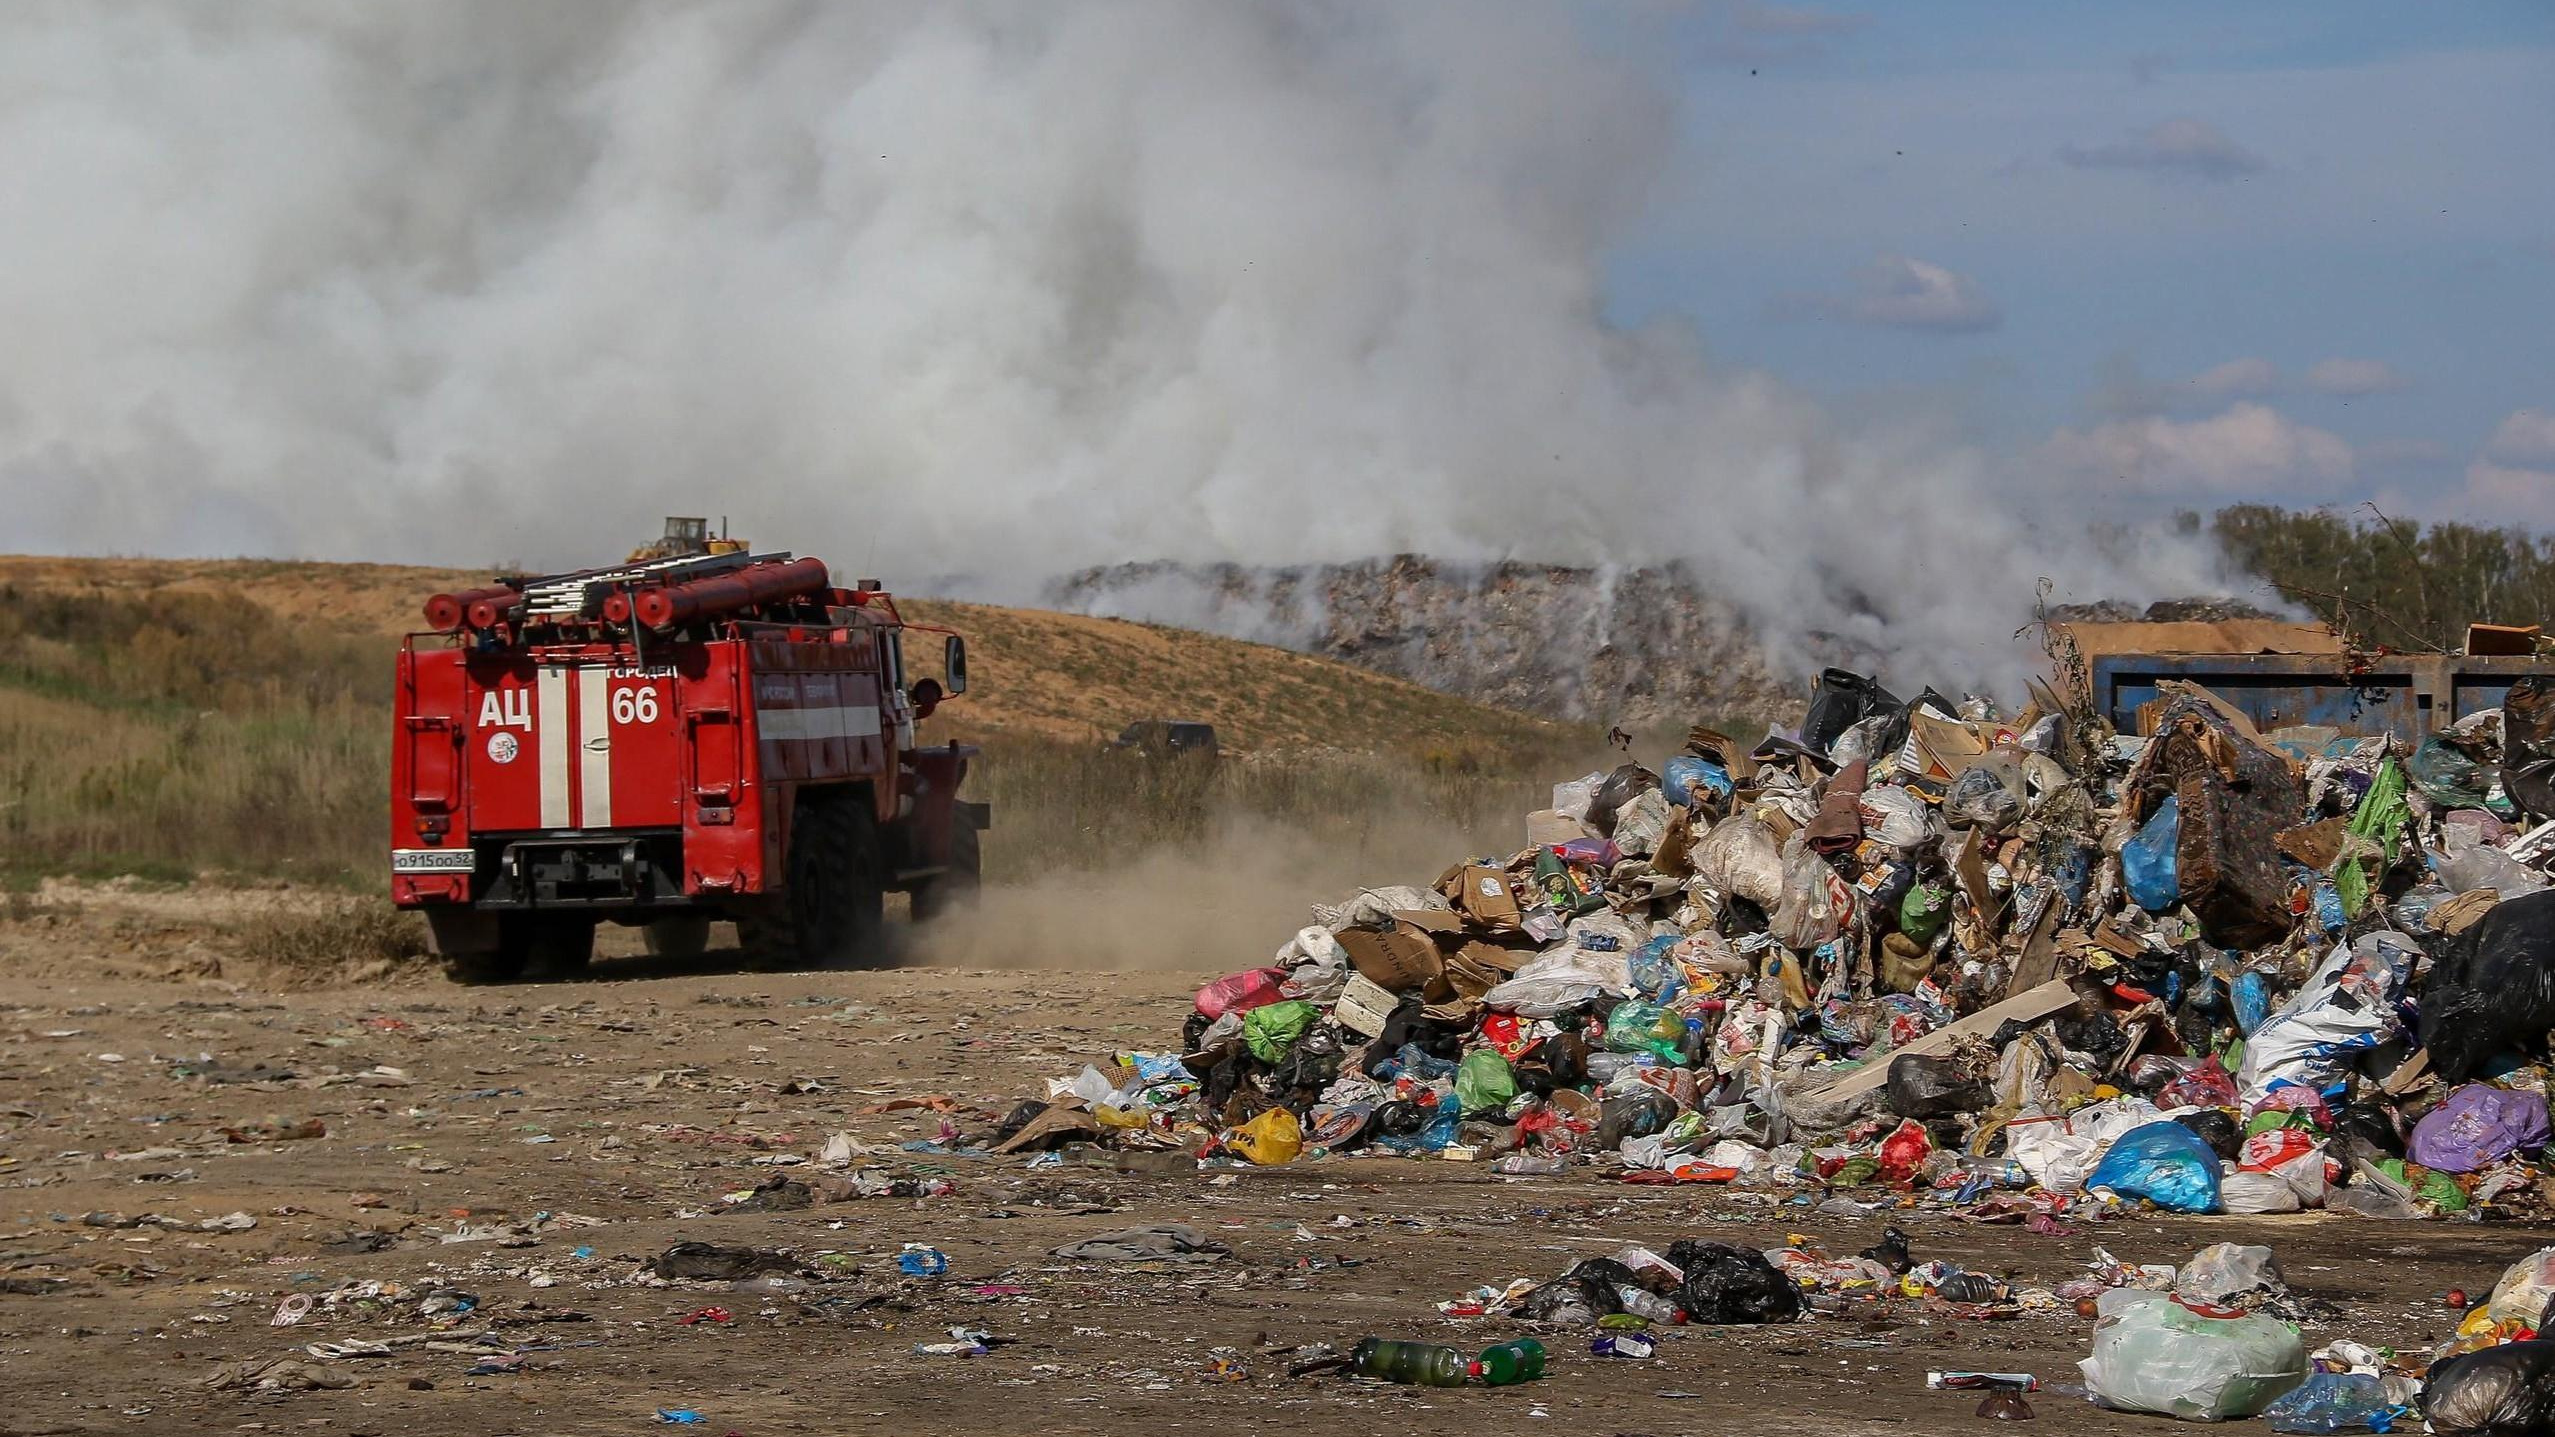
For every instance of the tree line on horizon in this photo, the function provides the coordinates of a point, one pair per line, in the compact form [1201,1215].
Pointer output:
[2389,582]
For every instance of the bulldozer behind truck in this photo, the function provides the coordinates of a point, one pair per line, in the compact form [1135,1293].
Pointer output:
[666,743]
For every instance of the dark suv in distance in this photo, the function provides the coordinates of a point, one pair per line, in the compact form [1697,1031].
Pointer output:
[1164,738]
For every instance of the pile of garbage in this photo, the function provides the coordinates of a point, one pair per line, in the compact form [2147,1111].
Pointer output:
[2028,967]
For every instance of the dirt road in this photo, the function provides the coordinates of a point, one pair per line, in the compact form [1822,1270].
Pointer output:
[509,1159]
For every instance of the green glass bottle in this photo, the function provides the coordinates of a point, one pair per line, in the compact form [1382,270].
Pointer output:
[1424,1363]
[1519,1361]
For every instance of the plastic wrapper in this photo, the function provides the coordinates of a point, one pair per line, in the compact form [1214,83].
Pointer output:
[2482,866]
[2155,1354]
[2525,1287]
[2165,1163]
[2477,1125]
[2505,1391]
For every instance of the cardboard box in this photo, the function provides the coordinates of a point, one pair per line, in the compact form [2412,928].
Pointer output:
[1480,892]
[1404,958]
[1363,1007]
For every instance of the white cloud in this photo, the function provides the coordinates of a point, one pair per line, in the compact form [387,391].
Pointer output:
[2237,379]
[2527,437]
[2352,378]
[2181,146]
[1898,292]
[2504,494]
[2250,451]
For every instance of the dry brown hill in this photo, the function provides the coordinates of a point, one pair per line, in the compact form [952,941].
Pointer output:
[1060,676]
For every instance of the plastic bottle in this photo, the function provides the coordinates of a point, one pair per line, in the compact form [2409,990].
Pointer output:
[1424,1363]
[1518,1361]
[1642,1302]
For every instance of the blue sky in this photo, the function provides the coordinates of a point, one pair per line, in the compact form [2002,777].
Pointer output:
[2049,220]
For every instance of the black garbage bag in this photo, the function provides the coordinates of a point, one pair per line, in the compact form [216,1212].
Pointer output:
[2214,1127]
[2373,1125]
[1622,786]
[2093,1034]
[1922,1087]
[715,1262]
[1732,1285]
[2506,1391]
[1891,1252]
[1842,700]
[2492,987]
[1635,1114]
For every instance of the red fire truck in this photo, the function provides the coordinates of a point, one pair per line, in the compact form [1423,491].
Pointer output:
[665,744]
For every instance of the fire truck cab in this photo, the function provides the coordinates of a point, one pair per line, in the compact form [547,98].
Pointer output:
[665,744]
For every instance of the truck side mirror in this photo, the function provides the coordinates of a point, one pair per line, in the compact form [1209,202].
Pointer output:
[954,664]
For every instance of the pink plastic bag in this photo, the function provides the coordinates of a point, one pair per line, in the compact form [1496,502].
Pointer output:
[1241,992]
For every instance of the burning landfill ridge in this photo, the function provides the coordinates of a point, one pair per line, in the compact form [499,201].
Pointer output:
[2025,970]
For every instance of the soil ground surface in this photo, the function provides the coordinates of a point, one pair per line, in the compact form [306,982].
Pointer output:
[510,1158]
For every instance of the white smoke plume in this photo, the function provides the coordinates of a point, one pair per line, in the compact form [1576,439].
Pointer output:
[996,290]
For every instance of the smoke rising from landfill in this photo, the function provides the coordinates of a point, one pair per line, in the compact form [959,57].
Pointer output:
[942,290]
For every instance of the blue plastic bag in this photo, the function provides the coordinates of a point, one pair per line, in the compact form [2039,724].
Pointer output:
[2165,1163]
[2147,861]
[2252,994]
[1656,976]
[1685,774]
[2335,1402]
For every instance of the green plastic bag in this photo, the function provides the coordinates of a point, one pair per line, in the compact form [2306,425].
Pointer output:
[1484,1081]
[1273,1028]
[1924,911]
[2375,826]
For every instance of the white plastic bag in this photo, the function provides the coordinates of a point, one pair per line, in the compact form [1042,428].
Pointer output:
[1896,817]
[1740,856]
[2346,1008]
[1806,915]
[1575,798]
[1641,823]
[2224,1271]
[2154,1354]
[2250,1192]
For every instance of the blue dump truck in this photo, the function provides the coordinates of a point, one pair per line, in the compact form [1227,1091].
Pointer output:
[2409,695]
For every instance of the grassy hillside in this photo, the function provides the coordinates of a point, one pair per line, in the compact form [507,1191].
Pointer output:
[175,717]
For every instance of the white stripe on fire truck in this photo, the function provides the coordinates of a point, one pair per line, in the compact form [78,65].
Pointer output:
[594,747]
[550,736]
[819,723]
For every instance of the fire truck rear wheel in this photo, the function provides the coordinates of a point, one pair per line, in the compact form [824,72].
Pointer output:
[958,885]
[503,963]
[684,937]
[834,911]
[561,947]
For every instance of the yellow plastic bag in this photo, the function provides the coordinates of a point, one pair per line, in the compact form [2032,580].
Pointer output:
[1271,1138]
